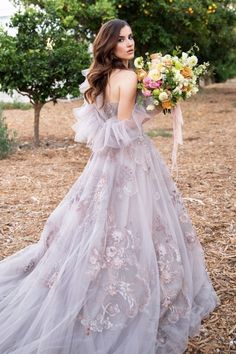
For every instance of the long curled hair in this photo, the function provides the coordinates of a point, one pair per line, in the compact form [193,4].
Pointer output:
[104,60]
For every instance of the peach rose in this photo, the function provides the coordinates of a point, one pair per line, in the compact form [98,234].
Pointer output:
[166,104]
[186,89]
[187,72]
[155,59]
[141,74]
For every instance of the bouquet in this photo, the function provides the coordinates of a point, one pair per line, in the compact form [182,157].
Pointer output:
[167,79]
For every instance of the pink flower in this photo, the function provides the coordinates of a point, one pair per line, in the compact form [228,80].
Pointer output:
[155,84]
[146,92]
[147,81]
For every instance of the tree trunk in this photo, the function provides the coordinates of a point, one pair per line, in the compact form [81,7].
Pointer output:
[37,109]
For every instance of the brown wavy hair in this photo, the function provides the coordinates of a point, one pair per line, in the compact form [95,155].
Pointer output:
[104,60]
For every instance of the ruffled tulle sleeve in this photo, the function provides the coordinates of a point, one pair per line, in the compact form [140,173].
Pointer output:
[115,133]
[98,132]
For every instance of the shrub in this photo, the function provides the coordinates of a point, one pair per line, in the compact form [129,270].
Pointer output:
[6,143]
[15,105]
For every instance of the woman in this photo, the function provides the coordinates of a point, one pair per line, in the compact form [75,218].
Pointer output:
[118,268]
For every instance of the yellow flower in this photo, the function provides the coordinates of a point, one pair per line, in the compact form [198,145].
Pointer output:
[154,74]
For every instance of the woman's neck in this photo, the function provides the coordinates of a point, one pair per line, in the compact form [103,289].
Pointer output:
[126,63]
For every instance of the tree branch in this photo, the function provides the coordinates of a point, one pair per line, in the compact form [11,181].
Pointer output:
[25,94]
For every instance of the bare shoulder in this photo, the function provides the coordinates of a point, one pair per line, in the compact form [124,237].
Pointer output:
[126,76]
[127,83]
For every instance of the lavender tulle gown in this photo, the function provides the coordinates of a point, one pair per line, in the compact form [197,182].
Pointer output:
[118,268]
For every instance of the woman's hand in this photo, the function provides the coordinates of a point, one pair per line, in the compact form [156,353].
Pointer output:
[158,109]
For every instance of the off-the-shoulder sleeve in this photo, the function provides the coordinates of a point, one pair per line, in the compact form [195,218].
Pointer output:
[116,133]
[98,132]
[85,84]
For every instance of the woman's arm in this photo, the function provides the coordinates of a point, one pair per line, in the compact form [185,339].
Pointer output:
[127,96]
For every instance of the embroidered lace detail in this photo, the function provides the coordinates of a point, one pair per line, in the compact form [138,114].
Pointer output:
[125,284]
[126,181]
[52,276]
[29,267]
[141,153]
[110,109]
[186,225]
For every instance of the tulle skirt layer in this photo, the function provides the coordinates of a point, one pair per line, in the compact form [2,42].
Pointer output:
[118,268]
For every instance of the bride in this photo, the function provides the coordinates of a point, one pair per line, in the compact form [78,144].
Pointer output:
[118,268]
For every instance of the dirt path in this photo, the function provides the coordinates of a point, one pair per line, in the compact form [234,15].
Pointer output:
[32,183]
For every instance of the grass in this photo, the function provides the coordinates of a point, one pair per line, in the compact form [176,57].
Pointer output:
[15,105]
[159,132]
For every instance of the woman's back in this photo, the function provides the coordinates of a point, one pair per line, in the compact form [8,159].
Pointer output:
[112,91]
[121,88]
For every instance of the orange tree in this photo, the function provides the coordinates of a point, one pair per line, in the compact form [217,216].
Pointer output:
[43,61]
[160,25]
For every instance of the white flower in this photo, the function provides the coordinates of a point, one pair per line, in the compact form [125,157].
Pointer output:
[178,77]
[163,96]
[150,107]
[184,56]
[49,44]
[195,89]
[163,76]
[185,82]
[192,61]
[167,57]
[138,62]
[175,58]
[177,90]
[156,102]
[188,94]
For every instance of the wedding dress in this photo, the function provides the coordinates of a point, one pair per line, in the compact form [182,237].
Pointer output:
[118,268]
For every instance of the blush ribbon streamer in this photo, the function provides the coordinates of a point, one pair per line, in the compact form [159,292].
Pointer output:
[178,135]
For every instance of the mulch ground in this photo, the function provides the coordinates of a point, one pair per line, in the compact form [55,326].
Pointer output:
[33,181]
